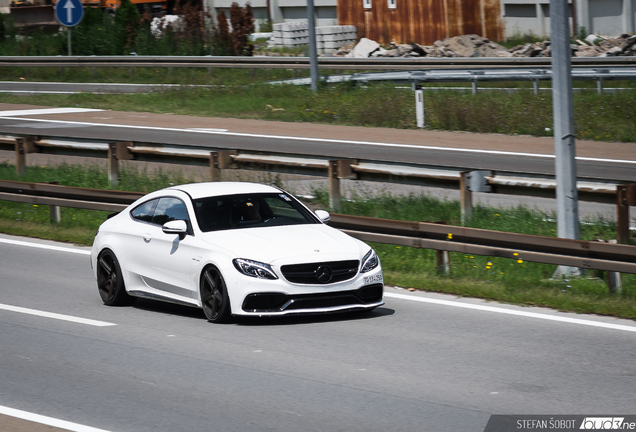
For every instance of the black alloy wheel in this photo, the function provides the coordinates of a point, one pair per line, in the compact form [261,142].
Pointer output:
[110,282]
[214,298]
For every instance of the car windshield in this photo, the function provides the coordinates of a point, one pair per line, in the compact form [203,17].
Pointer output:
[249,211]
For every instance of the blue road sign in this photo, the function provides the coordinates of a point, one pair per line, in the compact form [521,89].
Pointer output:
[69,13]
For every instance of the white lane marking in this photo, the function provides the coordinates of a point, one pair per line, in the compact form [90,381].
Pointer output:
[49,421]
[55,316]
[47,111]
[44,246]
[42,92]
[207,129]
[513,312]
[336,141]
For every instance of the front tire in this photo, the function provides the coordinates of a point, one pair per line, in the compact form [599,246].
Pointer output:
[215,300]
[110,282]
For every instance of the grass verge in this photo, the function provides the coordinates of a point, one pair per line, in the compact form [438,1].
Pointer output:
[604,117]
[491,278]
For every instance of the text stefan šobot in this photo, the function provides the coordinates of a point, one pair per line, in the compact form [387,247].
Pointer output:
[509,423]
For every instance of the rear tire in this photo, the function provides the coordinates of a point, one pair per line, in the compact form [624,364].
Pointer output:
[215,300]
[110,282]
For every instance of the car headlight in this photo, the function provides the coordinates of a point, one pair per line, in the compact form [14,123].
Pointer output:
[369,262]
[254,268]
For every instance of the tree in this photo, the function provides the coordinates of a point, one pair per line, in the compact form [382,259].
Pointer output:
[128,24]
[236,42]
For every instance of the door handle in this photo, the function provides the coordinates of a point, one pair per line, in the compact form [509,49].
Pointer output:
[147,238]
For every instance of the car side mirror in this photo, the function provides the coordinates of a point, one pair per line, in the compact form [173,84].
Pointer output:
[324,216]
[175,227]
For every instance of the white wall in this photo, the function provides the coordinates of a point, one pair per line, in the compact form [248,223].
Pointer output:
[284,10]
[521,17]
[604,17]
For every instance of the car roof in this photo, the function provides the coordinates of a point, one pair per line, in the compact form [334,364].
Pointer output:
[206,189]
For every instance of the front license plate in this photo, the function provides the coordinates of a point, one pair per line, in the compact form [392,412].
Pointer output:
[372,279]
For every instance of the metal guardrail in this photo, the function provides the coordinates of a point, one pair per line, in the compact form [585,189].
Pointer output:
[467,182]
[549,250]
[338,63]
[478,75]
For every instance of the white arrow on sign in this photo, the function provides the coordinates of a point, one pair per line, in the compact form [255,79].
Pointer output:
[69,10]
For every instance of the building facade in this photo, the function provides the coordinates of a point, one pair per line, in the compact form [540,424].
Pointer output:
[603,17]
[425,21]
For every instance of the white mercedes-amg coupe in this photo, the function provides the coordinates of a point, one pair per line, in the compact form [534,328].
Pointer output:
[233,248]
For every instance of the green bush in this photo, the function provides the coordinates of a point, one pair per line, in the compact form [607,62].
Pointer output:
[129,33]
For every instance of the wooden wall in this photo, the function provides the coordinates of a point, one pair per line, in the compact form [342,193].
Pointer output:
[423,21]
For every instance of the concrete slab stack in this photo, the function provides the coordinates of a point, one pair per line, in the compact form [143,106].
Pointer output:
[296,33]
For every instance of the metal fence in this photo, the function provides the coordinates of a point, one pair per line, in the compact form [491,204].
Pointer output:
[338,63]
[439,237]
[466,182]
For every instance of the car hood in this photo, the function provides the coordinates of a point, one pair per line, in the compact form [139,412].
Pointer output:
[288,244]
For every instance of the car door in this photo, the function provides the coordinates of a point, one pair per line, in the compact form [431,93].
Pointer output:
[166,260]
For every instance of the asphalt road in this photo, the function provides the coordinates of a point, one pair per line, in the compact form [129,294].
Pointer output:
[412,365]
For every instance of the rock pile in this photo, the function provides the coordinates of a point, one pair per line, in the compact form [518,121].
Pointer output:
[477,46]
[602,46]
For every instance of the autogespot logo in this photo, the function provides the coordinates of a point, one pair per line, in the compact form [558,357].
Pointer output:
[607,423]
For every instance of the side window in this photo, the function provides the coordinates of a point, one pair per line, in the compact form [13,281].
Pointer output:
[144,211]
[169,209]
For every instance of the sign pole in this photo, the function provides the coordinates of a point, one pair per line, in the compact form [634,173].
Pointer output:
[69,13]
[564,143]
[313,52]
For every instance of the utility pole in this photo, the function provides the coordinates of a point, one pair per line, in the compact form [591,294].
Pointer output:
[313,54]
[564,143]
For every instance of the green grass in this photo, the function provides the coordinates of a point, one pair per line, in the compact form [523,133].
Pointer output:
[605,117]
[185,76]
[491,278]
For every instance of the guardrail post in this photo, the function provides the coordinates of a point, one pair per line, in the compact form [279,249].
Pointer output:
[474,79]
[132,72]
[469,182]
[338,170]
[219,161]
[465,199]
[23,146]
[614,280]
[443,262]
[334,186]
[117,151]
[210,72]
[625,197]
[55,213]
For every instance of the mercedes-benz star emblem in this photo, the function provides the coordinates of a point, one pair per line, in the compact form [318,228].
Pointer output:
[324,274]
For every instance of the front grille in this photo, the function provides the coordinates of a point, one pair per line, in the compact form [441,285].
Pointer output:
[278,302]
[321,273]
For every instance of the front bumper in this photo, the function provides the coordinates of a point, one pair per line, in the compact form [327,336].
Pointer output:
[258,297]
[366,297]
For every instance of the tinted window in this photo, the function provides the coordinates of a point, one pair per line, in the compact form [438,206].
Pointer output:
[249,210]
[169,209]
[144,211]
